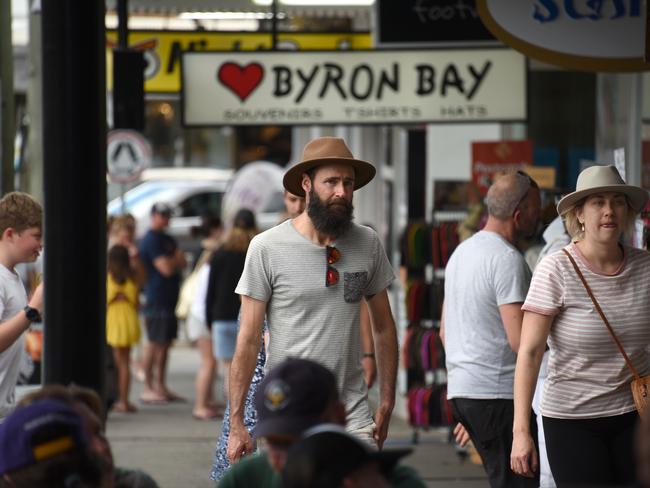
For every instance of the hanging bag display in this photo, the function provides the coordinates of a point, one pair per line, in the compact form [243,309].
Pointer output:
[640,384]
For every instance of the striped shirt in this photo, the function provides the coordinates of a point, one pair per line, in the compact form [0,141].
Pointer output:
[306,318]
[587,375]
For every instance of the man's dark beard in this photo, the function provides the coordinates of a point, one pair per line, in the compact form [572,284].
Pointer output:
[329,219]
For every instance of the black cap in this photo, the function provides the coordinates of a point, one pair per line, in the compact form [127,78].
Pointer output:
[293,397]
[161,208]
[327,454]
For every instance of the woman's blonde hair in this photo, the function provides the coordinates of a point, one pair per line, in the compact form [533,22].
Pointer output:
[238,239]
[119,223]
[574,227]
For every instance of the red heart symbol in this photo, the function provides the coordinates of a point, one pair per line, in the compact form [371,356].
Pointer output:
[241,80]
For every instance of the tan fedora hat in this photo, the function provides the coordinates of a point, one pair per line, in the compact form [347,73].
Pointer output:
[326,150]
[600,179]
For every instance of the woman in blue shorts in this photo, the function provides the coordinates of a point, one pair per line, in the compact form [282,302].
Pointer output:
[221,301]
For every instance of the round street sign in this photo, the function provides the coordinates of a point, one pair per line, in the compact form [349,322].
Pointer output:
[128,154]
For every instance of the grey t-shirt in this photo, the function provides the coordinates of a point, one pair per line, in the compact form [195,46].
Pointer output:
[483,273]
[306,318]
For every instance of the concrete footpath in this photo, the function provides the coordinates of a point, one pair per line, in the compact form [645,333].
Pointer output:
[166,442]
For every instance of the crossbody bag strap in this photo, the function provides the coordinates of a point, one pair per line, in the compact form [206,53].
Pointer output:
[602,315]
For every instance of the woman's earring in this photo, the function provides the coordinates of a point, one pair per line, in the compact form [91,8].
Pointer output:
[582,226]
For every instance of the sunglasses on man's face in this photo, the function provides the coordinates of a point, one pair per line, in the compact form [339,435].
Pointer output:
[333,255]
[531,184]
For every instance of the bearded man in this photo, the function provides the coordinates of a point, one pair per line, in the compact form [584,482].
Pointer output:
[308,275]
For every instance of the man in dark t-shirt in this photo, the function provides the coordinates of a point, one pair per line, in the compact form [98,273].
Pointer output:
[163,261]
[296,396]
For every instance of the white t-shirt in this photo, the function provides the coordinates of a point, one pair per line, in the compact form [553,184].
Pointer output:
[309,320]
[587,376]
[483,273]
[13,299]
[200,293]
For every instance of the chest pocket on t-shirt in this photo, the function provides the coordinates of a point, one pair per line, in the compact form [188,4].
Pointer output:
[353,285]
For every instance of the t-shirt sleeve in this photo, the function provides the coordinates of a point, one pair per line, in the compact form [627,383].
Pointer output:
[546,294]
[511,279]
[382,275]
[3,300]
[157,247]
[143,248]
[255,280]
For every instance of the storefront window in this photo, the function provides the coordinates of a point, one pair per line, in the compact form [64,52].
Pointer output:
[263,143]
[173,145]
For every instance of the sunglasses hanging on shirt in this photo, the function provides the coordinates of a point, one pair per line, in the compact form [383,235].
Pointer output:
[333,255]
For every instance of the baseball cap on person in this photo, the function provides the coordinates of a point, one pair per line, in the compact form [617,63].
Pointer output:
[37,432]
[327,453]
[161,208]
[293,397]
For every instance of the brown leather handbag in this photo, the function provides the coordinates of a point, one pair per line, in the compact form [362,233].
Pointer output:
[640,384]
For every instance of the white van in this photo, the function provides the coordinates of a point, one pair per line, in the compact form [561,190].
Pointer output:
[191,192]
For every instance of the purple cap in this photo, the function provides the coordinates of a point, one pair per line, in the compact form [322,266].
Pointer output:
[293,397]
[37,432]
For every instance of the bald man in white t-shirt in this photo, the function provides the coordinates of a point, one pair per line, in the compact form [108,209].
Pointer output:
[486,282]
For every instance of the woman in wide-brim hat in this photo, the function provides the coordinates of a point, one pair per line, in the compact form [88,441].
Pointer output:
[587,408]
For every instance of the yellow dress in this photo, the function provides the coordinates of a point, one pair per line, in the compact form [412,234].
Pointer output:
[122,324]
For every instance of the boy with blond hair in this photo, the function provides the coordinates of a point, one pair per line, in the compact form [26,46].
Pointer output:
[21,220]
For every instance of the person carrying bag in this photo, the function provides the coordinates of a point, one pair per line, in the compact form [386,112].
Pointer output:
[588,409]
[639,384]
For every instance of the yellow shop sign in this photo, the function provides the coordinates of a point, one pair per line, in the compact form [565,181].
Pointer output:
[162,49]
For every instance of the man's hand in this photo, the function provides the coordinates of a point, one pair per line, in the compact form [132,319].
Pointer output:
[241,371]
[461,435]
[239,442]
[369,370]
[382,420]
[385,337]
[523,458]
[37,299]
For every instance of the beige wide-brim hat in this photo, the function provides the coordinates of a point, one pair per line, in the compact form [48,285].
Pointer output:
[327,150]
[600,179]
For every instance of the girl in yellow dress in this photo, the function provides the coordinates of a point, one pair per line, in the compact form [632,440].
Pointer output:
[122,326]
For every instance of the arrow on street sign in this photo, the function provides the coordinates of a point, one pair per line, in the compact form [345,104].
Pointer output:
[128,154]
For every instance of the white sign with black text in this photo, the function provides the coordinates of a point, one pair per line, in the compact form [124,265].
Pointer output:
[356,87]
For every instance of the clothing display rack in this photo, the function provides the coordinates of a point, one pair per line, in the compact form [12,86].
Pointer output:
[426,250]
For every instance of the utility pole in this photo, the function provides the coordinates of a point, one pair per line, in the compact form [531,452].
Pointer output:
[74,150]
[122,24]
[128,77]
[7,121]
[32,174]
[274,25]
